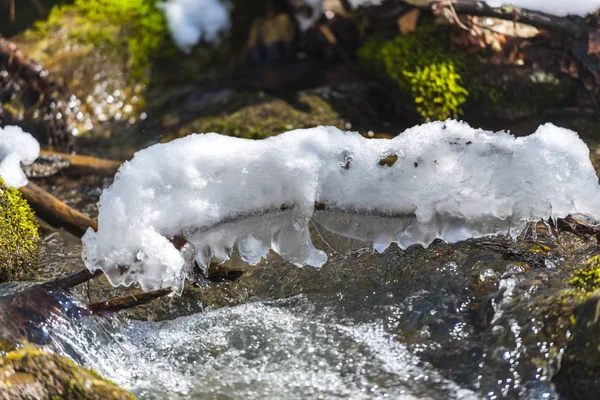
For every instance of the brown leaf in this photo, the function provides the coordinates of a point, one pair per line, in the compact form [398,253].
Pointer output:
[407,23]
[594,43]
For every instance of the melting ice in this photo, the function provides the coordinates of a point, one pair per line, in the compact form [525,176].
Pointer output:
[440,180]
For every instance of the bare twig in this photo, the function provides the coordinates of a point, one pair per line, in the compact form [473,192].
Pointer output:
[129,301]
[71,281]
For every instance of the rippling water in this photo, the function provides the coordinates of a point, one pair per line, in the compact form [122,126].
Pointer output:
[394,325]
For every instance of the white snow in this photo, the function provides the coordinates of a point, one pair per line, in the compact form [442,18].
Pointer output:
[16,148]
[450,181]
[364,3]
[191,21]
[555,7]
[316,7]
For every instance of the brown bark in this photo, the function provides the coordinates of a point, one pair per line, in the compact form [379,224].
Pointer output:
[72,280]
[55,211]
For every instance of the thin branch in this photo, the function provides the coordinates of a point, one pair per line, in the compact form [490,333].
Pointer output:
[72,280]
[562,25]
[129,301]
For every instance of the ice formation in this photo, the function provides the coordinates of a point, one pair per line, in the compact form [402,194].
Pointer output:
[554,7]
[16,148]
[445,180]
[193,20]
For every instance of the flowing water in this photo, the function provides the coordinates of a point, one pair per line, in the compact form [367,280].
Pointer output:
[446,322]
[462,321]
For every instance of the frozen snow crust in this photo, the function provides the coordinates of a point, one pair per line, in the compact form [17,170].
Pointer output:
[16,147]
[449,181]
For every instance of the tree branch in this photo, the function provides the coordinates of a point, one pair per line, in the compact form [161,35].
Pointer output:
[129,301]
[571,26]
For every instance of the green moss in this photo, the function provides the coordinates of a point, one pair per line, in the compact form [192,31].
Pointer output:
[254,116]
[136,26]
[422,65]
[19,236]
[32,373]
[587,279]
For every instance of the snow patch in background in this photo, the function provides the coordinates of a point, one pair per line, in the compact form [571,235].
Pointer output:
[316,7]
[191,21]
[364,3]
[449,181]
[16,148]
[555,7]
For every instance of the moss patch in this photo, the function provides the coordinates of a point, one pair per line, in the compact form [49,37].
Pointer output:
[587,279]
[19,238]
[256,116]
[136,26]
[32,373]
[421,64]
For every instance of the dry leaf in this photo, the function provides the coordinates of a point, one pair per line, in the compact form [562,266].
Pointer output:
[594,43]
[407,23]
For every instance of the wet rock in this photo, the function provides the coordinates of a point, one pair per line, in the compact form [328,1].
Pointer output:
[31,373]
[252,115]
[579,374]
[46,165]
[513,93]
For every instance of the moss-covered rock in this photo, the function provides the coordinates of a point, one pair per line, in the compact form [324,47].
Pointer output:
[30,373]
[579,374]
[257,115]
[19,236]
[136,26]
[422,65]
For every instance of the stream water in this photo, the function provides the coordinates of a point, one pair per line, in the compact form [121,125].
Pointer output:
[462,321]
[446,322]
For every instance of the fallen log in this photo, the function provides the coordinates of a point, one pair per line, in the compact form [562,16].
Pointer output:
[55,211]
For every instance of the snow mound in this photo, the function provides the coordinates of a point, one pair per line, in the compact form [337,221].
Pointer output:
[560,8]
[191,21]
[440,180]
[16,148]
